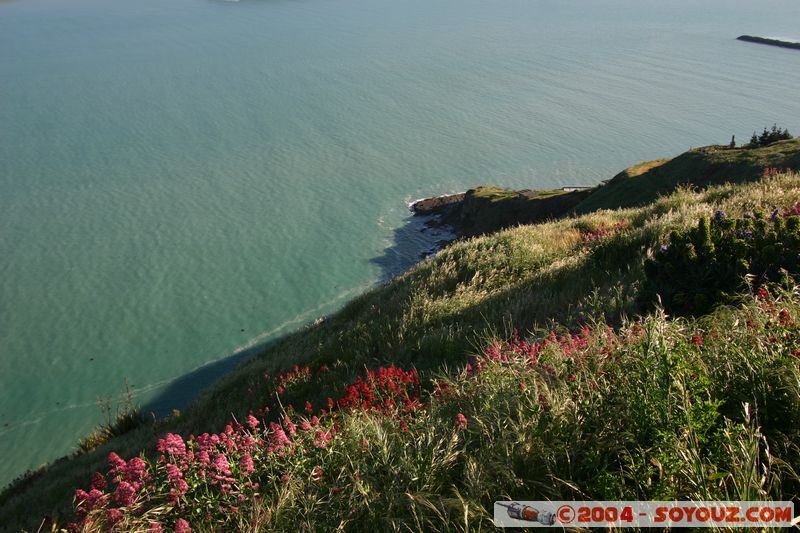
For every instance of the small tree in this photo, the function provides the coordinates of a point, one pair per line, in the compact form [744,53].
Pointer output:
[768,137]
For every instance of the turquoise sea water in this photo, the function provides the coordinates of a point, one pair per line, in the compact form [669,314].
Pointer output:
[182,180]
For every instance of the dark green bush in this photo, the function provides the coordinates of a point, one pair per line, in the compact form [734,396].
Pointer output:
[710,264]
[768,137]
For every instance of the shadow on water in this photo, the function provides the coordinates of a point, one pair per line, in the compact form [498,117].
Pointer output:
[411,242]
[182,391]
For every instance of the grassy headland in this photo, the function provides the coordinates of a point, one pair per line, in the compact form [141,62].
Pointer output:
[698,168]
[613,407]
[486,209]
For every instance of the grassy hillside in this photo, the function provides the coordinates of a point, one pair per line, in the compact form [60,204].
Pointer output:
[484,210]
[700,167]
[656,409]
[432,318]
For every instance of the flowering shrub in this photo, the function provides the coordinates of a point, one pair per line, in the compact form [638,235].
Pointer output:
[597,408]
[706,265]
[211,478]
[774,171]
[208,478]
[281,381]
[384,390]
[595,233]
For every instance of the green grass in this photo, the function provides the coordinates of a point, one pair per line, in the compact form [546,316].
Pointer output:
[646,412]
[495,194]
[701,167]
[498,194]
[432,317]
[489,209]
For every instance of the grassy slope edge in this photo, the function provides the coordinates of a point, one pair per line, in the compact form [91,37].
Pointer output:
[438,312]
[487,209]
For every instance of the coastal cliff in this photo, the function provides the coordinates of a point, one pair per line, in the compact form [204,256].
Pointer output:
[484,210]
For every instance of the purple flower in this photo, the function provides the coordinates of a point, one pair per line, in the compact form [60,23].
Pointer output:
[290,426]
[322,438]
[173,472]
[136,469]
[98,481]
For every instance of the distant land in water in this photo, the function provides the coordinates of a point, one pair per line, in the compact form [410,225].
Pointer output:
[771,42]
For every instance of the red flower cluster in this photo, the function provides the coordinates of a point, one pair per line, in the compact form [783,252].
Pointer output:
[214,474]
[792,211]
[285,379]
[604,230]
[224,463]
[281,380]
[773,171]
[568,345]
[386,390]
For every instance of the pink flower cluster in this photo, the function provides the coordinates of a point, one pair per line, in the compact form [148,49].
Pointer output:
[567,345]
[210,477]
[773,171]
[604,230]
[225,464]
[281,380]
[386,390]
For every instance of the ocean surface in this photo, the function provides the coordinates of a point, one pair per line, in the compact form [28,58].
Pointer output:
[184,180]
